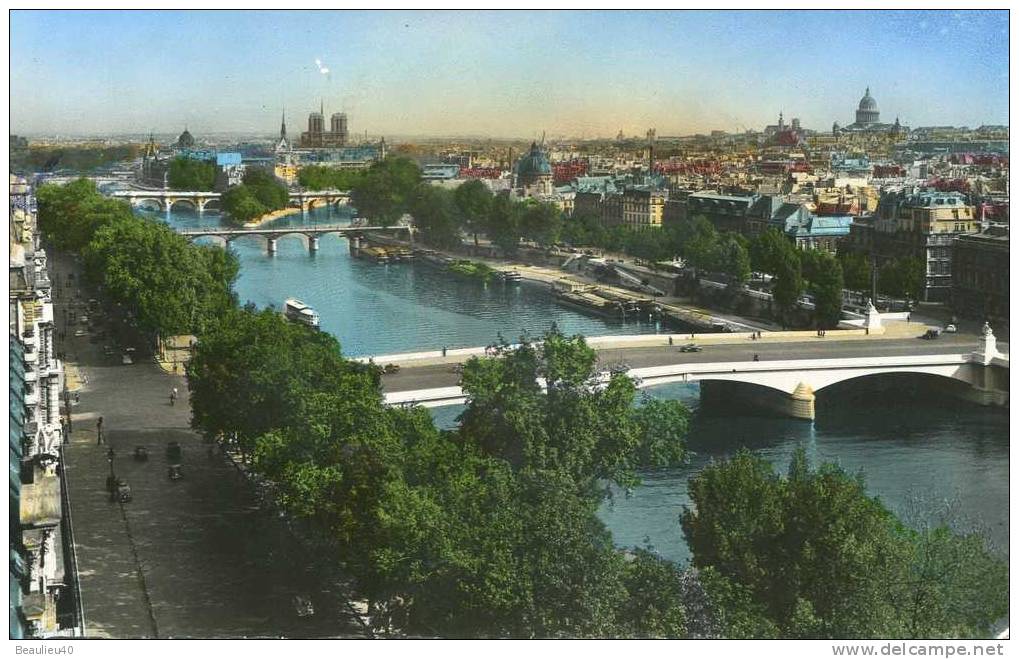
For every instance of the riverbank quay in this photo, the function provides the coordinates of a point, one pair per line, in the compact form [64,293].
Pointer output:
[673,308]
[193,558]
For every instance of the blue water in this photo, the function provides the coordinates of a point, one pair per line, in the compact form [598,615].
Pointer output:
[917,454]
[376,309]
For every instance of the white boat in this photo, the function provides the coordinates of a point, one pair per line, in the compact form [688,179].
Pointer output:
[300,312]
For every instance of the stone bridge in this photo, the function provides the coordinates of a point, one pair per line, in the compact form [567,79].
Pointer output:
[781,383]
[311,232]
[165,199]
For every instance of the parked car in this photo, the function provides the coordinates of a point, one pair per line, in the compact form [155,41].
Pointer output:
[951,329]
[141,454]
[690,347]
[122,493]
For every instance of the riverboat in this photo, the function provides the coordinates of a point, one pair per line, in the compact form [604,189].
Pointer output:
[300,312]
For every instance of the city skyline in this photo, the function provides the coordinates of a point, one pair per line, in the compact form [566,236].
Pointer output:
[581,74]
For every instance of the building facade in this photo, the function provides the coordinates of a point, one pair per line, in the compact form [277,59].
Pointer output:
[980,272]
[36,425]
[317,137]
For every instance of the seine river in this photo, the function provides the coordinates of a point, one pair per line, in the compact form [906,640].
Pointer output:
[917,453]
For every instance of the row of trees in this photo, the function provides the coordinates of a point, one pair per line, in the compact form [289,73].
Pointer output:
[317,177]
[166,284]
[191,174]
[259,193]
[487,531]
[490,530]
[903,278]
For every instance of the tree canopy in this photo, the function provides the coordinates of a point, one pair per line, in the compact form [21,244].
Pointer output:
[191,174]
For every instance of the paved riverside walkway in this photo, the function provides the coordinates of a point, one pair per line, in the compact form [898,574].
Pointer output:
[193,558]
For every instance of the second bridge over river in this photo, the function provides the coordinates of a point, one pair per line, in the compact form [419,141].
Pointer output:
[312,233]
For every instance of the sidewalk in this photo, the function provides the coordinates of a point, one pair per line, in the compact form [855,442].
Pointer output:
[195,558]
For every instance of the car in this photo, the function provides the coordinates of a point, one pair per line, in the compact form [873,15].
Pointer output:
[126,359]
[931,334]
[690,347]
[951,329]
[141,454]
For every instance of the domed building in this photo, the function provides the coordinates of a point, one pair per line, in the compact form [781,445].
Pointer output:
[868,119]
[185,141]
[534,173]
[867,112]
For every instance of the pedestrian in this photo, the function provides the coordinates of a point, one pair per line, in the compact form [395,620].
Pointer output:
[99,431]
[670,340]
[443,351]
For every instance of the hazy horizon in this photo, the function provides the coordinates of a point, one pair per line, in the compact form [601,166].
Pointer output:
[500,74]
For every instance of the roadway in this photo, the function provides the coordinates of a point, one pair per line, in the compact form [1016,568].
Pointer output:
[429,375]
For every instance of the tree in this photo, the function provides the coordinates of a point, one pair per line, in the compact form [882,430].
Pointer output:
[318,177]
[818,558]
[436,216]
[540,222]
[855,270]
[824,274]
[241,205]
[734,260]
[787,286]
[696,240]
[383,193]
[266,188]
[504,224]
[474,203]
[903,278]
[769,250]
[190,174]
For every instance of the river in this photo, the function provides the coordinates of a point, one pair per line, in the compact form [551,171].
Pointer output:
[917,452]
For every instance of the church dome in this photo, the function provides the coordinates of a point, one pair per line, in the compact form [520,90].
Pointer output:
[534,164]
[868,102]
[185,141]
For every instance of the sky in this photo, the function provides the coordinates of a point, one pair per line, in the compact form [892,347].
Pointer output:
[581,74]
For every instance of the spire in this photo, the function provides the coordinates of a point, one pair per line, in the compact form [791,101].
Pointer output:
[283,124]
[322,107]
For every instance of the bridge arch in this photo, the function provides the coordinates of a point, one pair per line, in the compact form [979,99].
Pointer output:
[188,201]
[148,203]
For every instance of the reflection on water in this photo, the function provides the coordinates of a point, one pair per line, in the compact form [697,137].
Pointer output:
[908,449]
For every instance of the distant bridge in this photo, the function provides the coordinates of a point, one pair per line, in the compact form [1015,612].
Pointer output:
[200,200]
[311,232]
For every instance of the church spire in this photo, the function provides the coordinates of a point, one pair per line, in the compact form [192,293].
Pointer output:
[283,125]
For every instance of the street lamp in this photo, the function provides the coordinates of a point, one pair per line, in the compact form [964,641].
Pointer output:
[109,458]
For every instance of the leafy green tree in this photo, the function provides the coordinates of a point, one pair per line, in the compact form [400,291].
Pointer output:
[474,203]
[655,605]
[266,188]
[903,278]
[769,250]
[817,557]
[855,270]
[319,177]
[734,260]
[504,224]
[435,215]
[540,222]
[663,425]
[696,240]
[190,174]
[241,205]
[787,286]
[584,230]
[825,277]
[69,215]
[384,191]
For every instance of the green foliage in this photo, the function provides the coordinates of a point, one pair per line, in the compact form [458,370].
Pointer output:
[504,224]
[584,230]
[787,285]
[82,159]
[190,174]
[855,270]
[663,426]
[260,193]
[167,285]
[696,240]
[903,278]
[445,535]
[318,177]
[435,215]
[770,251]
[383,193]
[474,204]
[816,557]
[734,260]
[824,275]
[540,222]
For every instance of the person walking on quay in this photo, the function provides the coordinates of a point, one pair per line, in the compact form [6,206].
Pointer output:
[173,396]
[99,431]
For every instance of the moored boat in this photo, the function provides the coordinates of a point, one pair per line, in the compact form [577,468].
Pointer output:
[300,312]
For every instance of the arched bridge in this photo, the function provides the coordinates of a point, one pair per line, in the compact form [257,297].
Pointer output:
[307,199]
[786,378]
[311,232]
[165,199]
